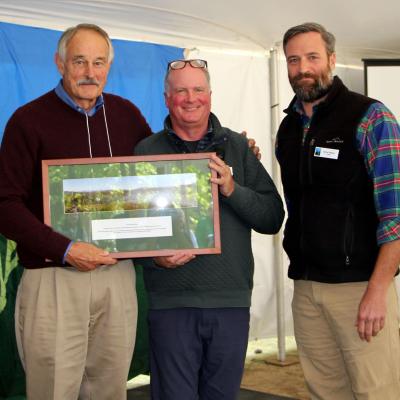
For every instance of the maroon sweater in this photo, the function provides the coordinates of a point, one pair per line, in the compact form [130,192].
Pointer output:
[47,128]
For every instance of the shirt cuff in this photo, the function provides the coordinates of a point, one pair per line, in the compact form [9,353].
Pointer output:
[66,252]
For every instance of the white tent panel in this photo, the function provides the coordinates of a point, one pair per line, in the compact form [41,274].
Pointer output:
[384,84]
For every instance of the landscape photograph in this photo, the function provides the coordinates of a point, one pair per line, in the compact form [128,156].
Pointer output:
[127,193]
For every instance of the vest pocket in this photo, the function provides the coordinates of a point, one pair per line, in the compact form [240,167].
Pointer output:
[327,233]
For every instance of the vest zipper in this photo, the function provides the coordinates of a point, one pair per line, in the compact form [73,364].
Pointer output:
[348,237]
[302,202]
[310,154]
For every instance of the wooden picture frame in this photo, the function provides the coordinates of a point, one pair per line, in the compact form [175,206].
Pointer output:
[138,206]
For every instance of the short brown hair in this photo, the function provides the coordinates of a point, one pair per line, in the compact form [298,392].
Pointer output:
[327,37]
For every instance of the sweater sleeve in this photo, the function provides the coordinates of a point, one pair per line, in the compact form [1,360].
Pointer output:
[255,198]
[20,170]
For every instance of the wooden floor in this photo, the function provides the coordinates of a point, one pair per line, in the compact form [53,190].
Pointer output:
[143,393]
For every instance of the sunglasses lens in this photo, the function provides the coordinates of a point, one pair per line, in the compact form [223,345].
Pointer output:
[177,64]
[198,63]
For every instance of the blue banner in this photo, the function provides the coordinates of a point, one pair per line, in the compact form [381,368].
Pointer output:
[27,70]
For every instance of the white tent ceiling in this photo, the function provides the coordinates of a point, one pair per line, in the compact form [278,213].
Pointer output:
[364,28]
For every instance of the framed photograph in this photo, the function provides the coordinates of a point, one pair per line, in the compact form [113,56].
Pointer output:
[134,206]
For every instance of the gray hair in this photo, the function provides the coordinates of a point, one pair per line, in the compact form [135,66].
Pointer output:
[327,37]
[72,31]
[166,79]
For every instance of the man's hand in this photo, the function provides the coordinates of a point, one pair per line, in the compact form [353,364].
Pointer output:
[176,260]
[372,309]
[86,257]
[224,178]
[371,313]
[252,144]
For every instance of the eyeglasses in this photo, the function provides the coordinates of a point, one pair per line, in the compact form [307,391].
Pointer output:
[179,64]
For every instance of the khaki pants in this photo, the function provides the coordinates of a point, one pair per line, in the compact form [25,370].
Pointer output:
[76,331]
[337,364]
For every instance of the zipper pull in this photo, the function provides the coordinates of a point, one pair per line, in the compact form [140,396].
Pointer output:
[347,261]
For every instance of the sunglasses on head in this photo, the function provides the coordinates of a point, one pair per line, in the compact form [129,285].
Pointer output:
[179,64]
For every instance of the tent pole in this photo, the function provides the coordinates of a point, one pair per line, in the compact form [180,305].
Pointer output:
[278,256]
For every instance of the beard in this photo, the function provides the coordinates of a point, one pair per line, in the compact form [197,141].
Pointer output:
[310,92]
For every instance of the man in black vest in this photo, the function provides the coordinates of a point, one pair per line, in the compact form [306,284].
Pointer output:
[338,152]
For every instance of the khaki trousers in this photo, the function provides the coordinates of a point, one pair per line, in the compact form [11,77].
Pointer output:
[337,364]
[76,331]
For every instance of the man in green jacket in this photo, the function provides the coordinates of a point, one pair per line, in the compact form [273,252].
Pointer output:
[199,306]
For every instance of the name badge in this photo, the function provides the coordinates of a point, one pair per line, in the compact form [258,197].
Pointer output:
[324,152]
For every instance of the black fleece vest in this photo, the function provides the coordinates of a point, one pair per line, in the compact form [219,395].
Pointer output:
[330,234]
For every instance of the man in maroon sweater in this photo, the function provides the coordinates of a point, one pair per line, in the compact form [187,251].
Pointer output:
[75,314]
